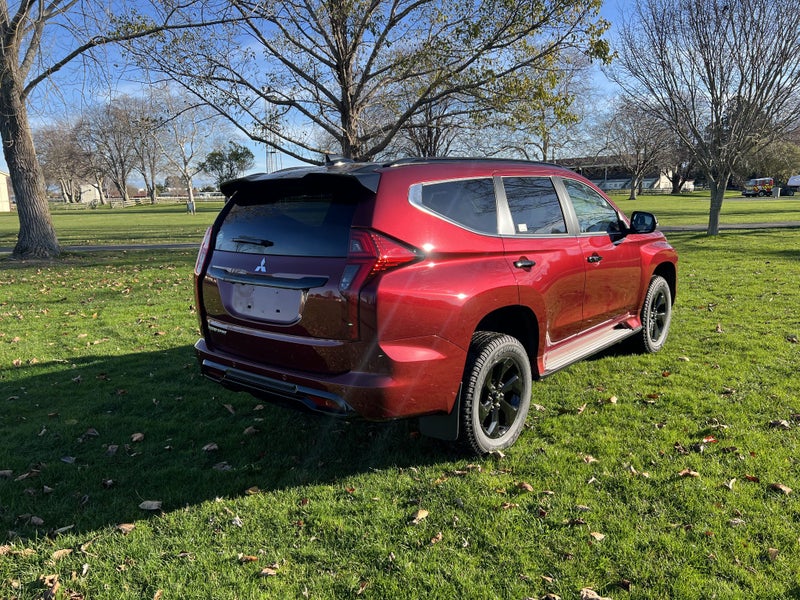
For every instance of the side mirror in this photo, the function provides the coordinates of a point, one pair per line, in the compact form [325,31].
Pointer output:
[643,222]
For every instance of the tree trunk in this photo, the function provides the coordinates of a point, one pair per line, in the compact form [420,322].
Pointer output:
[634,187]
[37,237]
[717,196]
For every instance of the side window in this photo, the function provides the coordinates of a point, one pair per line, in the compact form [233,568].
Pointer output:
[534,205]
[468,202]
[594,213]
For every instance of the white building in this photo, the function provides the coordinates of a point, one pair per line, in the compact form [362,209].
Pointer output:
[5,202]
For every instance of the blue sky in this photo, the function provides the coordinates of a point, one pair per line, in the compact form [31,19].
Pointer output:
[52,103]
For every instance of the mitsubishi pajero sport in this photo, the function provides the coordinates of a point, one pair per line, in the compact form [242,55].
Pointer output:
[429,288]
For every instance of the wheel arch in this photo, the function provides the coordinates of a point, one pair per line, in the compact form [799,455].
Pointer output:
[519,322]
[668,271]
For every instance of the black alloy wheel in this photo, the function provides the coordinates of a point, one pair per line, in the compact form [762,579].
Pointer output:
[497,384]
[656,315]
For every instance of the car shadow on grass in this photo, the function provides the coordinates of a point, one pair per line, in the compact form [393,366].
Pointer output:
[91,439]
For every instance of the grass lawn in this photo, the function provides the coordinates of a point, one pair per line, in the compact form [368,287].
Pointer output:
[145,224]
[123,474]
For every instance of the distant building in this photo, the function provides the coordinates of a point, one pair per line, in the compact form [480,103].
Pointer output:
[5,202]
[89,193]
[607,173]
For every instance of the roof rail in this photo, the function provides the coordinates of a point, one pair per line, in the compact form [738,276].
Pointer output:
[435,159]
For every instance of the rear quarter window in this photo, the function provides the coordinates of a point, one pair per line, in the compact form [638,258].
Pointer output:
[468,202]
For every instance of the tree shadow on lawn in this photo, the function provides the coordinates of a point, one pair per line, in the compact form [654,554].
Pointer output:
[91,439]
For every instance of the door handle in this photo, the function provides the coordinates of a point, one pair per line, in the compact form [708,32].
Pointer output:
[524,263]
[595,258]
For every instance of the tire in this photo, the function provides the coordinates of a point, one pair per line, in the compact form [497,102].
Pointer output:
[656,315]
[496,392]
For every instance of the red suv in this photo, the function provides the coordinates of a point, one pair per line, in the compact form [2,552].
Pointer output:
[430,288]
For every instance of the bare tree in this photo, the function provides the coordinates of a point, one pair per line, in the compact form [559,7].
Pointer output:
[106,133]
[39,39]
[62,160]
[189,131]
[638,141]
[724,74]
[298,73]
[145,131]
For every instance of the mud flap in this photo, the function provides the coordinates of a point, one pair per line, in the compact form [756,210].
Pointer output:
[443,427]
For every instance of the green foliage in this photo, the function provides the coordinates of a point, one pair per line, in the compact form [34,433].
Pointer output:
[228,163]
[349,76]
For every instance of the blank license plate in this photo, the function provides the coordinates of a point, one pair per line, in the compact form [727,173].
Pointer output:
[267,303]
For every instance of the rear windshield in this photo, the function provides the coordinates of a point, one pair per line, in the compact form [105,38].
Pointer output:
[284,222]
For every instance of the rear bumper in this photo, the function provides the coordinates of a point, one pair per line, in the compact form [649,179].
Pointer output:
[412,386]
[279,391]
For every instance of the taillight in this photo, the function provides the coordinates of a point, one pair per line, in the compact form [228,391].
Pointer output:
[201,255]
[370,253]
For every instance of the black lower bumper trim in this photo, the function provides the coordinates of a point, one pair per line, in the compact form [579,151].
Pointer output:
[280,392]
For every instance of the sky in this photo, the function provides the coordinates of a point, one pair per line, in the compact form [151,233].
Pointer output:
[64,102]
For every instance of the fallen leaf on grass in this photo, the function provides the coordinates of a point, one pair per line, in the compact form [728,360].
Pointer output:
[688,473]
[59,554]
[271,571]
[736,522]
[137,437]
[589,459]
[419,516]
[597,536]
[772,554]
[125,528]
[361,587]
[780,424]
[210,447]
[729,484]
[590,594]
[525,486]
[436,539]
[250,431]
[151,505]
[51,583]
[246,558]
[779,487]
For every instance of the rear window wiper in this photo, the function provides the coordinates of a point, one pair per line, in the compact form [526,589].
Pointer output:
[243,239]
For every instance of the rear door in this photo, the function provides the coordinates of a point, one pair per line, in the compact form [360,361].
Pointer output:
[546,261]
[271,291]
